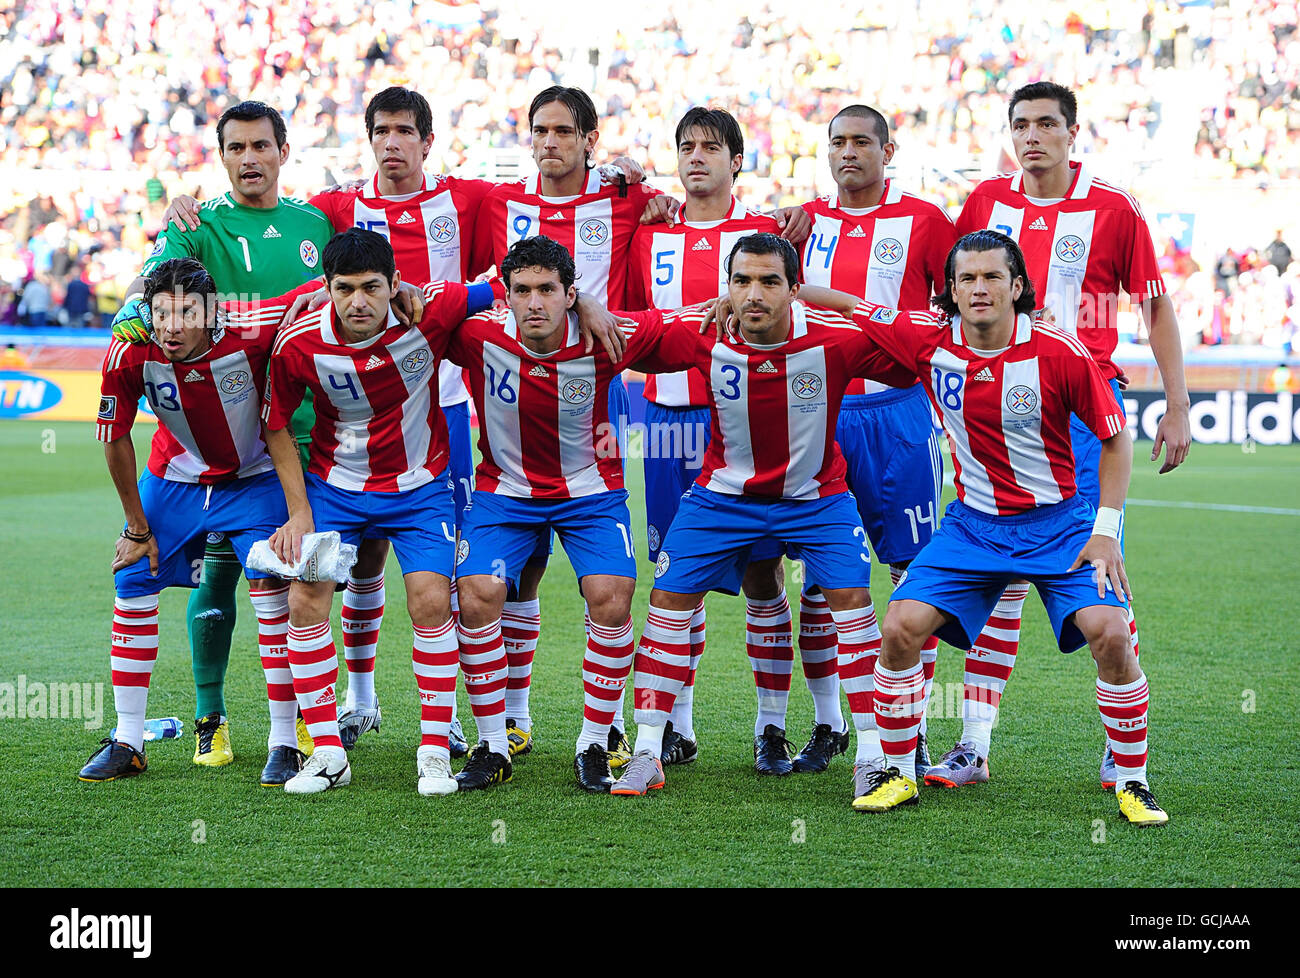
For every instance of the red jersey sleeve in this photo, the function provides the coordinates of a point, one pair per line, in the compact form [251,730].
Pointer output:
[1141,278]
[890,332]
[1087,392]
[256,320]
[120,389]
[664,342]
[285,387]
[337,206]
[446,306]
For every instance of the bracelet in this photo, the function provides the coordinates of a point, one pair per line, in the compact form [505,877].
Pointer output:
[1108,522]
[144,537]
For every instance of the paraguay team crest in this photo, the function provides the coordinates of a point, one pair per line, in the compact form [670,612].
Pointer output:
[889,251]
[442,229]
[593,232]
[462,551]
[309,254]
[577,391]
[652,536]
[413,362]
[1070,248]
[661,565]
[1021,400]
[235,381]
[806,385]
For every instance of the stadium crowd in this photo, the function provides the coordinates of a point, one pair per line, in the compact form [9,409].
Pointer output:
[104,106]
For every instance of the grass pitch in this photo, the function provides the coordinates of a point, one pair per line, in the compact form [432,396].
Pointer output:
[1213,589]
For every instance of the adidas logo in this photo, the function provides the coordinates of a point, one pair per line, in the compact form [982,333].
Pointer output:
[192,376]
[557,216]
[538,371]
[374,361]
[702,245]
[1038,225]
[325,698]
[766,368]
[406,218]
[857,232]
[270,232]
[984,374]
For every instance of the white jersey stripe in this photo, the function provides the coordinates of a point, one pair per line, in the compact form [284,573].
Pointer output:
[500,417]
[729,371]
[1023,432]
[351,458]
[1071,248]
[978,489]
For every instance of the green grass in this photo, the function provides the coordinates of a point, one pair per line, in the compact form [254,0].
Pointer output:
[1213,594]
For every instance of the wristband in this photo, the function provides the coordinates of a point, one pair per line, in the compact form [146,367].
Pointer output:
[1108,522]
[138,537]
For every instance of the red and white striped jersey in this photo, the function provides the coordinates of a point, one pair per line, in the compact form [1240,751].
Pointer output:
[1080,251]
[544,425]
[596,226]
[1007,415]
[208,408]
[893,253]
[378,425]
[774,407]
[672,267]
[432,234]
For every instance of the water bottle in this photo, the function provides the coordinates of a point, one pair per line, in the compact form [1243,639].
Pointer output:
[163,729]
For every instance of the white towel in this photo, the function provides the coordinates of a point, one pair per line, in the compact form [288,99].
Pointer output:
[325,557]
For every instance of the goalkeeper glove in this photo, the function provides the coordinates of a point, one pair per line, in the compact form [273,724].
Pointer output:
[132,321]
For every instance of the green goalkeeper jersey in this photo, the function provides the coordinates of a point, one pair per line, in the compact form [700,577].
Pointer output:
[254,253]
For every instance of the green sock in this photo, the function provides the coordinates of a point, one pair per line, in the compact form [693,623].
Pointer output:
[211,614]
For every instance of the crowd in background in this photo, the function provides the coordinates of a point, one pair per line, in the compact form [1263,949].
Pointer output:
[107,107]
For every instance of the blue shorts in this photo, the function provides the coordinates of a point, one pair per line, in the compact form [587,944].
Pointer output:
[420,523]
[714,536]
[182,514]
[1087,459]
[675,441]
[619,405]
[501,533]
[895,469]
[461,467]
[974,556]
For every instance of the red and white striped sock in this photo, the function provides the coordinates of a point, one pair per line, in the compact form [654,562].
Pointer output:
[134,651]
[929,656]
[363,613]
[859,648]
[898,715]
[315,667]
[605,668]
[483,661]
[988,667]
[769,644]
[929,651]
[819,654]
[272,610]
[663,660]
[1133,630]
[435,655]
[1124,715]
[521,623]
[683,712]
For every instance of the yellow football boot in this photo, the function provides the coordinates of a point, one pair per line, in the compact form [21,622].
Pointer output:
[212,741]
[305,743]
[1138,805]
[521,741]
[879,791]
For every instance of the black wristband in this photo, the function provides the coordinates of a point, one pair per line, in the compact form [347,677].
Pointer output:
[144,537]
